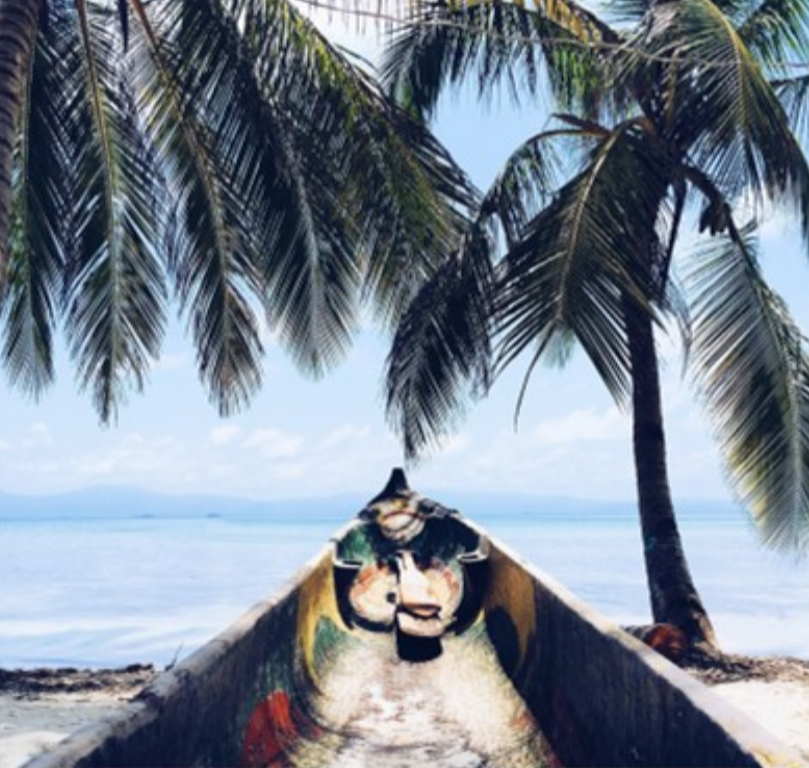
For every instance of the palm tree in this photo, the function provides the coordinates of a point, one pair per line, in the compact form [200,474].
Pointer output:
[220,151]
[671,119]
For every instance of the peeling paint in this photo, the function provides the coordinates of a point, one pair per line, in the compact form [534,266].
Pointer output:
[515,672]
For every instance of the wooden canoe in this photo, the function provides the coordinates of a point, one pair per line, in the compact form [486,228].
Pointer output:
[416,639]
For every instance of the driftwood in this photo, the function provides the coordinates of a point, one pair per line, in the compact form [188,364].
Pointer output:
[668,640]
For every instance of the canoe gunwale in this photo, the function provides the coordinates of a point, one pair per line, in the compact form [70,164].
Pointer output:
[738,739]
[576,670]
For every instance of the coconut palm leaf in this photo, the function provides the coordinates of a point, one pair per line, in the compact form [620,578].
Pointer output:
[233,134]
[18,32]
[794,95]
[205,116]
[776,30]
[578,261]
[753,369]
[42,164]
[406,241]
[259,216]
[717,105]
[499,42]
[319,139]
[361,142]
[115,314]
[312,260]
[529,178]
[440,354]
[441,351]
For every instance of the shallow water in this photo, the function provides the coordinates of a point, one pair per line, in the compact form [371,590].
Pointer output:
[98,592]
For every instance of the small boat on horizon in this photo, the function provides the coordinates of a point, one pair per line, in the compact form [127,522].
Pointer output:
[416,639]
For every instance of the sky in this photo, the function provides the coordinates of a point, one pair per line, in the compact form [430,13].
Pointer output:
[305,438]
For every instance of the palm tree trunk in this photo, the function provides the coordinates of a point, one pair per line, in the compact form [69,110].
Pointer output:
[19,22]
[674,598]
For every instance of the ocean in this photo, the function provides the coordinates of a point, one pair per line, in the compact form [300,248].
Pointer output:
[99,591]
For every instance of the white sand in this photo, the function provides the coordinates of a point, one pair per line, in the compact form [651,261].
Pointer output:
[781,707]
[30,726]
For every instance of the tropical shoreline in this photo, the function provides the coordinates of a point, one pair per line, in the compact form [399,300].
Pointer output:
[772,690]
[40,707]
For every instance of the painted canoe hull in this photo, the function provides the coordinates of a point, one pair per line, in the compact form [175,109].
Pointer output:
[532,655]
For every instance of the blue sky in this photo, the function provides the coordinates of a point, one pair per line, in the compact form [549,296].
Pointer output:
[304,438]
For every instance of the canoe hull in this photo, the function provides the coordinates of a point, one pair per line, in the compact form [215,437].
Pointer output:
[600,697]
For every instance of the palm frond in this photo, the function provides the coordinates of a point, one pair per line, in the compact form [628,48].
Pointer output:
[324,126]
[19,27]
[715,104]
[380,170]
[498,42]
[581,258]
[794,95]
[115,287]
[440,354]
[218,143]
[42,164]
[777,30]
[313,263]
[753,370]
[334,184]
[422,211]
[527,182]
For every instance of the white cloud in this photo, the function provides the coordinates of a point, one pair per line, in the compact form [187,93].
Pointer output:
[39,436]
[455,445]
[345,434]
[4,446]
[582,425]
[525,463]
[223,435]
[274,443]
[288,470]
[95,466]
[132,459]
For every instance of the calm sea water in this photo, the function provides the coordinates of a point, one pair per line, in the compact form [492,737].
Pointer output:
[79,592]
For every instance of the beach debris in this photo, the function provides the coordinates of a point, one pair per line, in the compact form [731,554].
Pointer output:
[667,639]
[44,681]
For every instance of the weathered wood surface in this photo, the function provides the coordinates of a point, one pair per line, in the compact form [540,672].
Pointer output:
[456,711]
[515,671]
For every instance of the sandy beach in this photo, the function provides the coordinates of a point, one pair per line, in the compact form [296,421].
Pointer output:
[39,708]
[31,726]
[782,707]
[773,691]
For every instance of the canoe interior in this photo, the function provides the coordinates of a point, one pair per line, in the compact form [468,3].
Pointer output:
[455,654]
[353,690]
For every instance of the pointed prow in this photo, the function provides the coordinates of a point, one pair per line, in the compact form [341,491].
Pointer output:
[397,485]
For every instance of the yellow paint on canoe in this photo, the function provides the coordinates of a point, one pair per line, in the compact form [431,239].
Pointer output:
[511,588]
[316,600]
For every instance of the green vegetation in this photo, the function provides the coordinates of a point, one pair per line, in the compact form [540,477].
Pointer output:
[684,112]
[217,152]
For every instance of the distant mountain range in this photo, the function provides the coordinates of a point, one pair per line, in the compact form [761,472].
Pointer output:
[122,502]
